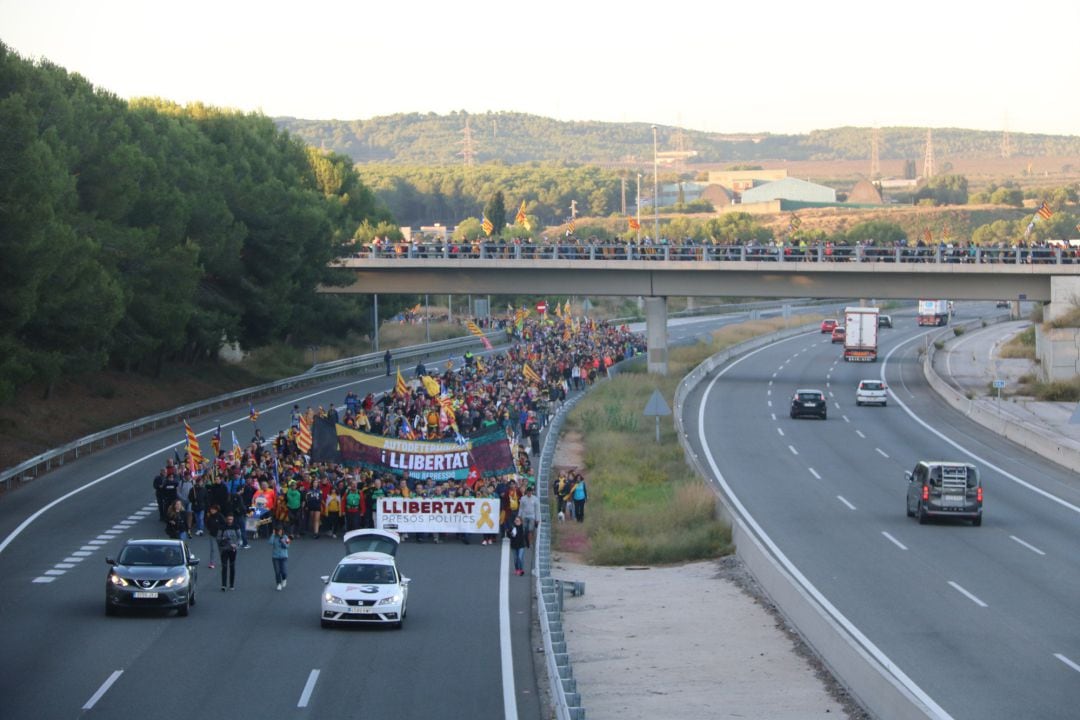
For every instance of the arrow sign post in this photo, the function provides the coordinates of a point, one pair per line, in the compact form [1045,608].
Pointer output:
[657,407]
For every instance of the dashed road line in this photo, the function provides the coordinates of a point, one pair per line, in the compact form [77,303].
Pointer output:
[102,690]
[309,686]
[845,418]
[814,473]
[43,579]
[968,595]
[894,541]
[793,450]
[842,499]
[773,415]
[1029,546]
[859,433]
[1067,661]
[781,431]
[770,402]
[882,452]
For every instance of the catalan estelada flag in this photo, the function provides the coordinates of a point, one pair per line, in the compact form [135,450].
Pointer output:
[1044,211]
[193,445]
[303,438]
[215,441]
[400,388]
[530,374]
[487,226]
[253,414]
[475,330]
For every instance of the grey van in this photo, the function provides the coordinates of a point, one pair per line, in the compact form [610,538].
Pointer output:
[937,488]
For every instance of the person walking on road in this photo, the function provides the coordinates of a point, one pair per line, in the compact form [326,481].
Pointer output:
[228,544]
[529,512]
[215,521]
[387,358]
[279,555]
[517,545]
[580,494]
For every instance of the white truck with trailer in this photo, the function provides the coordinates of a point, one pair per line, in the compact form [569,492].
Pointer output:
[934,312]
[861,338]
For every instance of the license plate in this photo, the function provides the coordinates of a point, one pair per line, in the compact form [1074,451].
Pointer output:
[146,595]
[361,610]
[953,500]
[806,404]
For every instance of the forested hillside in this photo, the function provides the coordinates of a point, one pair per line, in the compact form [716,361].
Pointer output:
[133,234]
[430,139]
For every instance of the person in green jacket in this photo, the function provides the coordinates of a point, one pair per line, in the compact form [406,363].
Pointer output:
[293,500]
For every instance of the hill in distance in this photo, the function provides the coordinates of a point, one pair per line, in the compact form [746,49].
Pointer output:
[515,138]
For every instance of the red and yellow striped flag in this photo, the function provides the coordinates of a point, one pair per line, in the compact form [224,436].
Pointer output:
[400,388]
[193,445]
[487,226]
[303,438]
[530,374]
[634,224]
[1044,211]
[475,330]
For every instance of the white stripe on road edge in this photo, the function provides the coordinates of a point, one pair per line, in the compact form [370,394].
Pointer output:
[970,597]
[102,690]
[814,473]
[1067,661]
[506,652]
[865,642]
[1029,546]
[894,541]
[842,499]
[792,449]
[309,686]
[883,454]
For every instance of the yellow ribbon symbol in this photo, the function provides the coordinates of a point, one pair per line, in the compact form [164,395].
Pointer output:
[485,516]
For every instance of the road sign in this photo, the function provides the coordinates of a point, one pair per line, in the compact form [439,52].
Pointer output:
[999,384]
[657,407]
[541,307]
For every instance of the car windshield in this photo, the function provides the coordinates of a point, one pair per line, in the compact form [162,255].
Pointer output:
[870,385]
[151,556]
[365,574]
[809,396]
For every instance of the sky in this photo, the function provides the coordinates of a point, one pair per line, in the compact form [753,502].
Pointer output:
[730,67]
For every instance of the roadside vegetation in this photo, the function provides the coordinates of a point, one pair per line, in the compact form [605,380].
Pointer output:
[646,505]
[1021,346]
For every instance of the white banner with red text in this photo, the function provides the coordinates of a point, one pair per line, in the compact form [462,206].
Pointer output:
[439,515]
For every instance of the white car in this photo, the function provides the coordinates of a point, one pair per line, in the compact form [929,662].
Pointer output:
[366,586]
[872,392]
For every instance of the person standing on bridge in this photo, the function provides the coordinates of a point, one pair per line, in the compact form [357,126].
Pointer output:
[387,358]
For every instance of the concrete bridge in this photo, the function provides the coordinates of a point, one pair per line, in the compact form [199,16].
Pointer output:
[1043,275]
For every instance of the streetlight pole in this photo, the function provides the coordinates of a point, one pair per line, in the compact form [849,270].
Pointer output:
[656,189]
[427,319]
[639,208]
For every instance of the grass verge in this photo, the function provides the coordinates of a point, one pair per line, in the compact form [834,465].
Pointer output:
[646,506]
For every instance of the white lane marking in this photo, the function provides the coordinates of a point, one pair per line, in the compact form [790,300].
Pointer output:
[781,431]
[73,560]
[814,473]
[1067,661]
[773,415]
[65,565]
[894,541]
[770,383]
[102,538]
[43,579]
[82,553]
[836,405]
[793,450]
[959,447]
[55,572]
[770,402]
[125,524]
[828,384]
[842,499]
[845,418]
[768,392]
[831,394]
[1029,546]
[859,433]
[774,374]
[783,559]
[506,652]
[828,376]
[89,548]
[309,686]
[98,542]
[969,596]
[102,690]
[882,452]
[153,506]
[110,532]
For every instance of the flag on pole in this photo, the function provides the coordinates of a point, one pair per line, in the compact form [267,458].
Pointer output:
[400,388]
[795,222]
[1044,211]
[522,218]
[237,451]
[571,227]
[431,385]
[303,438]
[215,441]
[475,330]
[634,224]
[530,374]
[487,226]
[193,445]
[407,430]
[253,414]
[566,308]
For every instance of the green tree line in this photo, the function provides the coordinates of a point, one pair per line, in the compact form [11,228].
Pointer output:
[137,233]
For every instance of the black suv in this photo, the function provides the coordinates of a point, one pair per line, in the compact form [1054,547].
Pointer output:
[152,574]
[884,321]
[809,402]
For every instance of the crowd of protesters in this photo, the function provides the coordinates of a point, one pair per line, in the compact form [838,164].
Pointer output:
[273,490]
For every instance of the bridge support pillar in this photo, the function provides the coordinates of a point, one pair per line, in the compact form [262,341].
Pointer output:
[656,334]
[1064,296]
[1058,349]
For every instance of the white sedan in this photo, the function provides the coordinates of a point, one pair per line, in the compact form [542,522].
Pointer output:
[872,392]
[366,586]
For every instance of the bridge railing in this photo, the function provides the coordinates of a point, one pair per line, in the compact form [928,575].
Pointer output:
[780,253]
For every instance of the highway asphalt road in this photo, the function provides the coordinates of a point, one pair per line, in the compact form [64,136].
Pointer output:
[465,650]
[982,622]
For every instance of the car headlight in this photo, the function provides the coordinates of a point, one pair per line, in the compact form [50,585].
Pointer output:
[117,580]
[333,599]
[177,581]
[391,600]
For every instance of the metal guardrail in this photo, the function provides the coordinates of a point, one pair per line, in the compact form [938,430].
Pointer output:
[1038,254]
[43,463]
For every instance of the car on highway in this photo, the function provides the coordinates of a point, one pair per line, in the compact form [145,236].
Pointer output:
[366,586]
[828,325]
[809,402]
[1001,304]
[871,392]
[839,334]
[939,488]
[157,574]
[884,321]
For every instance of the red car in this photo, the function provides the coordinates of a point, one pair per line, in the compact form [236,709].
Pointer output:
[827,326]
[839,334]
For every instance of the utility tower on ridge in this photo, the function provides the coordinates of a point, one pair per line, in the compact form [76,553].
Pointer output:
[928,159]
[875,158]
[467,148]
[1006,143]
